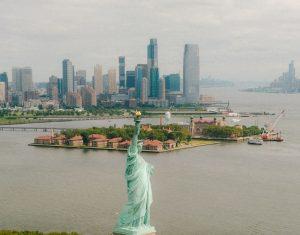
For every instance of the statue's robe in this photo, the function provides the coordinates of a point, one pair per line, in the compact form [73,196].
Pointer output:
[136,212]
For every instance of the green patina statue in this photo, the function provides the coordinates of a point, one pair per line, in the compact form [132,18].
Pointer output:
[135,215]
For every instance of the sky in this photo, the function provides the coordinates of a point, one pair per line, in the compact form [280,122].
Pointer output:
[239,40]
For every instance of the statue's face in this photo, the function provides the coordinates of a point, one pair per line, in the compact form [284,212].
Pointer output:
[140,147]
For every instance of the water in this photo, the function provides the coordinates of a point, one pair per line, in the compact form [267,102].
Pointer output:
[221,189]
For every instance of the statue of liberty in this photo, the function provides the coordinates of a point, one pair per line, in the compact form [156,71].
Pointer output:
[134,218]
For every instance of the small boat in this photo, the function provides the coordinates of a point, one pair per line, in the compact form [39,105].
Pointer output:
[255,141]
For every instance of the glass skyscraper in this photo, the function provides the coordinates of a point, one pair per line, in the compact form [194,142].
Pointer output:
[152,60]
[4,79]
[154,82]
[68,76]
[130,79]
[172,82]
[122,71]
[191,73]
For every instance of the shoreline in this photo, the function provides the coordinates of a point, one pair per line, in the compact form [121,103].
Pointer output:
[194,144]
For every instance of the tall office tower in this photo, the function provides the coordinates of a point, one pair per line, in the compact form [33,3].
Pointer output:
[154,83]
[162,89]
[2,93]
[139,79]
[68,76]
[144,92]
[16,79]
[105,84]
[53,89]
[291,74]
[122,82]
[73,99]
[191,73]
[4,78]
[112,81]
[26,79]
[22,79]
[98,79]
[80,77]
[88,96]
[172,82]
[152,60]
[130,79]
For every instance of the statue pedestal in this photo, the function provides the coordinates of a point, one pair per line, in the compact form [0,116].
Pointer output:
[144,230]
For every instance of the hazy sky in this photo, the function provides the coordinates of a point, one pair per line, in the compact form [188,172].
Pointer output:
[238,40]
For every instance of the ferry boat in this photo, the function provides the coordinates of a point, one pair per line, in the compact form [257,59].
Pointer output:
[255,141]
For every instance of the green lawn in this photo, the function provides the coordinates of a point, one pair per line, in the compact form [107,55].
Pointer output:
[11,232]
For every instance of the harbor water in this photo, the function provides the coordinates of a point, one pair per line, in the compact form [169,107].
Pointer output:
[229,188]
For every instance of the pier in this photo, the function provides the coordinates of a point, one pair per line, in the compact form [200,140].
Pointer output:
[40,129]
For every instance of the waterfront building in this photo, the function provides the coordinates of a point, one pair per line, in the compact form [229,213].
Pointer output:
[98,80]
[172,82]
[154,82]
[144,91]
[197,125]
[112,81]
[68,76]
[153,145]
[191,73]
[124,144]
[170,144]
[114,142]
[88,96]
[73,99]
[4,78]
[162,89]
[59,140]
[130,79]
[122,82]
[76,141]
[46,139]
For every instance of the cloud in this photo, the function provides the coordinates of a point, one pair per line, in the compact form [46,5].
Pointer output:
[238,39]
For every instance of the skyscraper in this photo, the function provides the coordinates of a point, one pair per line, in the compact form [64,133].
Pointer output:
[4,78]
[98,79]
[162,89]
[22,79]
[53,89]
[130,79]
[105,84]
[144,92]
[191,73]
[154,82]
[68,76]
[88,96]
[112,81]
[172,82]
[81,77]
[139,80]
[152,60]
[122,72]
[291,73]
[2,93]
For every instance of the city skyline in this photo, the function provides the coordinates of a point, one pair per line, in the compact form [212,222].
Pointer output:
[237,40]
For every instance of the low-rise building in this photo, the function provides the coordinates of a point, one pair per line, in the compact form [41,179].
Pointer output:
[59,140]
[113,143]
[170,144]
[153,145]
[124,144]
[99,143]
[76,141]
[93,137]
[46,139]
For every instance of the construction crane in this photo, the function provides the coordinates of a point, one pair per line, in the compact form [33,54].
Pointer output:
[274,124]
[270,134]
